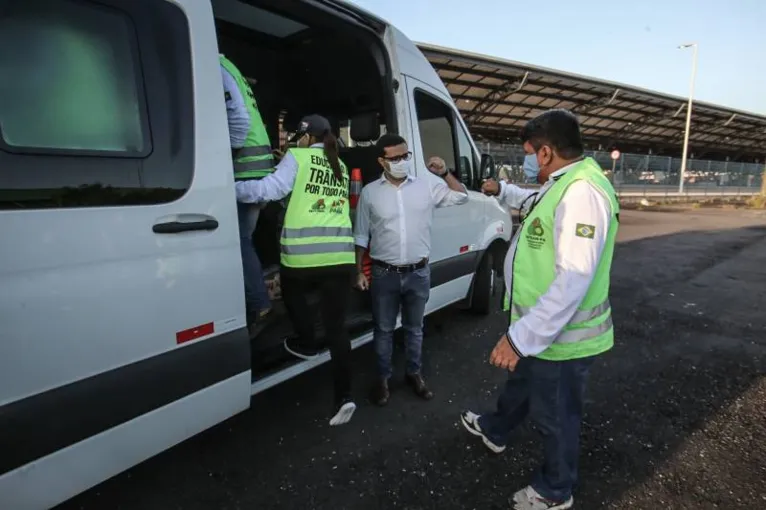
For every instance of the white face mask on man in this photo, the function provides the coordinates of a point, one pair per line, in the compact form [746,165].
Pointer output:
[399,169]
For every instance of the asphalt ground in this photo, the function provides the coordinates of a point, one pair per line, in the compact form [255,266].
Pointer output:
[675,419]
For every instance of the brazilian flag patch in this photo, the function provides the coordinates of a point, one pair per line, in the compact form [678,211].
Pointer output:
[586,231]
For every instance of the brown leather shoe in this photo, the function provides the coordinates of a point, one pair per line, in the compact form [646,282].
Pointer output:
[418,385]
[380,393]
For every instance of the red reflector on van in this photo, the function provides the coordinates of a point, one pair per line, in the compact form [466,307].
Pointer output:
[463,249]
[196,332]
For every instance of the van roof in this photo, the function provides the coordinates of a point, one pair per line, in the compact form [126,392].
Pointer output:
[363,14]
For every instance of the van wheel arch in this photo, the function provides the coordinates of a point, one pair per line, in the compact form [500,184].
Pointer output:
[487,285]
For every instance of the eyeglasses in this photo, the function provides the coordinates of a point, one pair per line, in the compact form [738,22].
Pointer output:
[401,157]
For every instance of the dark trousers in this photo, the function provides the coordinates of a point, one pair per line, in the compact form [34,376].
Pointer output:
[551,393]
[393,292]
[256,293]
[334,286]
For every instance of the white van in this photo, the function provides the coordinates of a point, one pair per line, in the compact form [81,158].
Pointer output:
[122,306]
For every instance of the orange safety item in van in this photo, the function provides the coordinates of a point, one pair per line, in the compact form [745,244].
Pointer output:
[353,199]
[356,187]
[367,264]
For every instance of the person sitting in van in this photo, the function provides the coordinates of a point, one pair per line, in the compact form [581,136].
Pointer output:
[317,247]
[251,153]
[393,219]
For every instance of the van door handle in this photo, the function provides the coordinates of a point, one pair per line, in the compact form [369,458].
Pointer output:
[179,223]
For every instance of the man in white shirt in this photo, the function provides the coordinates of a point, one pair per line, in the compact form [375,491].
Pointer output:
[393,219]
[555,332]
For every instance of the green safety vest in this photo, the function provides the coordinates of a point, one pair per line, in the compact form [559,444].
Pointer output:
[590,330]
[254,160]
[317,229]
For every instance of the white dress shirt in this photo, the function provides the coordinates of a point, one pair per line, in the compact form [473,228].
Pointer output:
[236,111]
[576,259]
[275,186]
[395,221]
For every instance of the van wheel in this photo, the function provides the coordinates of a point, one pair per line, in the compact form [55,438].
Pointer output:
[484,285]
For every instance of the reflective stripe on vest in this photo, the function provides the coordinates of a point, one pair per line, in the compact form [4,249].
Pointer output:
[317,248]
[297,233]
[257,150]
[579,333]
[590,330]
[254,159]
[579,316]
[250,166]
[317,228]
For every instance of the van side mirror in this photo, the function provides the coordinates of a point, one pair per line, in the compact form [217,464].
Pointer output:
[487,169]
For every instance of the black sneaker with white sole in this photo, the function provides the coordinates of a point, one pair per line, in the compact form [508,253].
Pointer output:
[470,421]
[343,413]
[302,350]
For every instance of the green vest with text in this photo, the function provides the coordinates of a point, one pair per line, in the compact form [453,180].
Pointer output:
[589,331]
[317,230]
[254,160]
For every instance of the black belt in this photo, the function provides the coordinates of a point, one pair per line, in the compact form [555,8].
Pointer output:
[401,269]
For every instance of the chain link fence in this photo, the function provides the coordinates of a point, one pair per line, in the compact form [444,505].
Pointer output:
[647,175]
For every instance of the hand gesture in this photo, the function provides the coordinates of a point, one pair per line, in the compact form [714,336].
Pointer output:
[503,355]
[362,283]
[490,187]
[437,166]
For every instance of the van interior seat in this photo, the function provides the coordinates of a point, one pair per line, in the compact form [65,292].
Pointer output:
[365,128]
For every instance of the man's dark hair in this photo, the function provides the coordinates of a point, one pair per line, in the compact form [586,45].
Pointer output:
[557,128]
[388,140]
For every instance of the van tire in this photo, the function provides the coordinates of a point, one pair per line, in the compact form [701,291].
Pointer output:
[484,285]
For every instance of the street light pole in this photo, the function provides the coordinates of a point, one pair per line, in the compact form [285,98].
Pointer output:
[688,114]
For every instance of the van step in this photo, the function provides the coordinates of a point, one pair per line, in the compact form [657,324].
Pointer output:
[267,359]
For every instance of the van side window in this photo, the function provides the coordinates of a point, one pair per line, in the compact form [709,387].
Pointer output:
[71,78]
[75,103]
[437,137]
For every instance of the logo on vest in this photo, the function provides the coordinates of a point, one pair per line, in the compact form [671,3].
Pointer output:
[318,206]
[535,234]
[337,206]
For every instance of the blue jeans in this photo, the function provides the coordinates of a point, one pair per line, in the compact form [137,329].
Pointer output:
[551,393]
[256,294]
[391,292]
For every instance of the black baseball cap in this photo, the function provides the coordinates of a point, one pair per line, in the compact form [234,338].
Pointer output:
[315,125]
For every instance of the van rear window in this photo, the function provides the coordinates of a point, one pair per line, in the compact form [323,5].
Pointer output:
[81,81]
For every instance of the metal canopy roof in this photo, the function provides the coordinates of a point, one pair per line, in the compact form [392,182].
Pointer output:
[497,97]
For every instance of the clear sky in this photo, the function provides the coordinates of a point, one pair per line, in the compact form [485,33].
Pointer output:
[632,42]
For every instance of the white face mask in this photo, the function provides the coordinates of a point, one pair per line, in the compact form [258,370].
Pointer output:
[400,169]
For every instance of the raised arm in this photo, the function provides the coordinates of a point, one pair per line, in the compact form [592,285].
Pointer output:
[507,194]
[236,111]
[446,190]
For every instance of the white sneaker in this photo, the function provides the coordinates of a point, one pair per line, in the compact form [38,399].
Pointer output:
[343,414]
[470,421]
[529,499]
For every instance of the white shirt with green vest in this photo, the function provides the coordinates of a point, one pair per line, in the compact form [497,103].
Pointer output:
[253,157]
[557,267]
